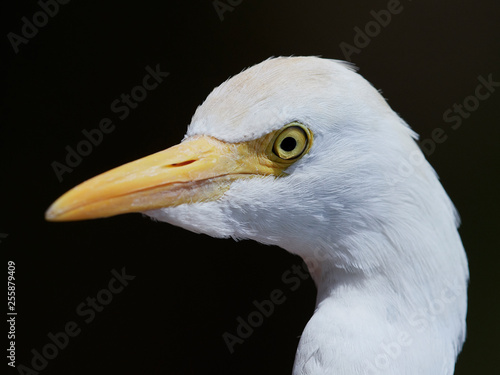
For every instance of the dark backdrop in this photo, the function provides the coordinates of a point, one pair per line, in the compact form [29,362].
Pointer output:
[189,289]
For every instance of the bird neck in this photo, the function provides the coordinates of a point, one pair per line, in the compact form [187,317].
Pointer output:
[390,319]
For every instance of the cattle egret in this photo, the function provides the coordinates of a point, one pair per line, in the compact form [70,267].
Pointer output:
[303,153]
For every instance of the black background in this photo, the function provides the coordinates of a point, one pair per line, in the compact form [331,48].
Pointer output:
[189,289]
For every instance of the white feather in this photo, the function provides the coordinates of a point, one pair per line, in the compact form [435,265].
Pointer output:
[382,245]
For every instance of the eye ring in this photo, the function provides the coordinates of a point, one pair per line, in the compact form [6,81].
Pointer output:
[292,142]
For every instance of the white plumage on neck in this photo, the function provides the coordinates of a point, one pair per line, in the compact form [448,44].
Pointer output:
[382,245]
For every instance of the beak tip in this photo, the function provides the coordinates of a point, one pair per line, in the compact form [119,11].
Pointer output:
[50,214]
[54,213]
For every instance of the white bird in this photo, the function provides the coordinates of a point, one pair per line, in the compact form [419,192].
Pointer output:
[303,153]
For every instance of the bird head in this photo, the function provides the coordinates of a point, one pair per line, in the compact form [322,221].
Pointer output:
[304,153]
[290,152]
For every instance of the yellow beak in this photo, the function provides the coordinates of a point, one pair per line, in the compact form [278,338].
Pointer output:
[199,169]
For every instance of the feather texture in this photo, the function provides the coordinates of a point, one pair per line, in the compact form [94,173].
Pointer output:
[381,242]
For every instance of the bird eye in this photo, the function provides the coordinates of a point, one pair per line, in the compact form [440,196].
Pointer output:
[292,142]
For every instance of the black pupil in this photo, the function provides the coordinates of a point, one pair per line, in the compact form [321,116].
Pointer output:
[288,144]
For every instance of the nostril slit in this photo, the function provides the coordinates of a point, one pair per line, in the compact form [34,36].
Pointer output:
[181,164]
